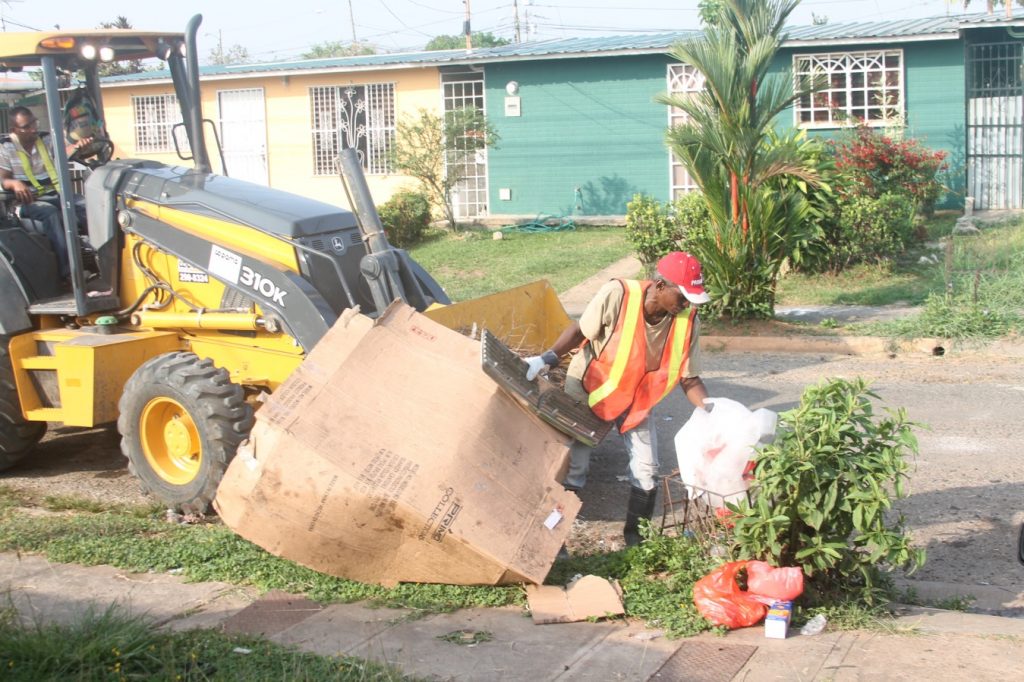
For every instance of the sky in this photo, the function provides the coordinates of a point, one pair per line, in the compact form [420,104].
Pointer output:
[284,30]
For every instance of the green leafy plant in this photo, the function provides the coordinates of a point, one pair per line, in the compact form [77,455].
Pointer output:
[649,228]
[871,163]
[406,216]
[870,230]
[653,229]
[438,151]
[693,221]
[824,494]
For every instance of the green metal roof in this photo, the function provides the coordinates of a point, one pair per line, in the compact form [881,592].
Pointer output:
[934,28]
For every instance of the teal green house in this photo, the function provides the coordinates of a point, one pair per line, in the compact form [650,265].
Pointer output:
[581,132]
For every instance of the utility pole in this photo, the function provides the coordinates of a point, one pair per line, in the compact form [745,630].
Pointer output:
[352,20]
[515,20]
[466,29]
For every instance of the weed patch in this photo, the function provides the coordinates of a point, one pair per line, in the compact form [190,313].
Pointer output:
[213,552]
[118,646]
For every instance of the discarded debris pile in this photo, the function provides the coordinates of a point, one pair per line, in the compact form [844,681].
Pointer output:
[389,456]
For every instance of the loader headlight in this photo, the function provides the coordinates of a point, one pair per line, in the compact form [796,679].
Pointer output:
[106,53]
[88,51]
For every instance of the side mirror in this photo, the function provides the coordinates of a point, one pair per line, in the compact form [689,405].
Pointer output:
[1020,545]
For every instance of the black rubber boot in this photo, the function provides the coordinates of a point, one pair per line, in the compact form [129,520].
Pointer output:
[641,506]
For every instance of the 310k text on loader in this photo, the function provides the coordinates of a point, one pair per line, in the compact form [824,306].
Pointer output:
[191,293]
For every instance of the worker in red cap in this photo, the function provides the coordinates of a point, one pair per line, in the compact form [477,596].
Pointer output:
[637,340]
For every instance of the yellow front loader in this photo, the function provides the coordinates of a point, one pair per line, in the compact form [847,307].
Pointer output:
[191,293]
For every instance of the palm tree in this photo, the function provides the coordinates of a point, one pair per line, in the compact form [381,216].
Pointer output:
[731,150]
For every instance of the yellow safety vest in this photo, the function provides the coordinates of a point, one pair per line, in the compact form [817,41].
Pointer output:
[26,165]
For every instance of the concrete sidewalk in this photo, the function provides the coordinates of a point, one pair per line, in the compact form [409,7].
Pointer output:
[924,643]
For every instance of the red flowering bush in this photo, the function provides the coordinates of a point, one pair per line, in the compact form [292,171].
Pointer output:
[870,164]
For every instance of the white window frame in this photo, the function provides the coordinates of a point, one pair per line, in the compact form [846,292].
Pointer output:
[470,195]
[153,121]
[863,86]
[331,110]
[683,80]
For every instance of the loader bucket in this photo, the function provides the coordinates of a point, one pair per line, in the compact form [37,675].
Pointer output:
[527,319]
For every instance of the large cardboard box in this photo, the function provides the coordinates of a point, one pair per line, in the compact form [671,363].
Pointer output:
[389,456]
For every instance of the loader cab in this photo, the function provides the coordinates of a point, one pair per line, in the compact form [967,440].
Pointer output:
[28,264]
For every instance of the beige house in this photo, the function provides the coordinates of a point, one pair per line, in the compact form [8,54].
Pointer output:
[282,124]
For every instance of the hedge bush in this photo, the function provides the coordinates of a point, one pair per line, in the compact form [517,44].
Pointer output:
[653,229]
[872,230]
[406,216]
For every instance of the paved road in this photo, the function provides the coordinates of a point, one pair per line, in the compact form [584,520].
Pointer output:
[967,484]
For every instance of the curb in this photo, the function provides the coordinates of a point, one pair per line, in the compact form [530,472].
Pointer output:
[842,345]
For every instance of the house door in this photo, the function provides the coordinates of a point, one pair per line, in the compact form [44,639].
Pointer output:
[469,200]
[243,133]
[995,125]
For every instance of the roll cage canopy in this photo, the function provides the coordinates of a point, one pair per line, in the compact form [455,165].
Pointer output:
[64,51]
[73,50]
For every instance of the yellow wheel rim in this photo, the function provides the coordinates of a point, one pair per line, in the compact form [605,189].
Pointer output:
[170,440]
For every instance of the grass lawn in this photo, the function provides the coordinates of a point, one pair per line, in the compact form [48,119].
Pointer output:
[471,263]
[998,250]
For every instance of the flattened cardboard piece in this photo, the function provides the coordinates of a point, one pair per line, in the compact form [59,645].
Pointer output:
[389,456]
[589,597]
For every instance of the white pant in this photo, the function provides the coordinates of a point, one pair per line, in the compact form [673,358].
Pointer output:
[642,446]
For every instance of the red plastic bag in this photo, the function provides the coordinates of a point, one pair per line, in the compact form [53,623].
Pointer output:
[777,584]
[718,598]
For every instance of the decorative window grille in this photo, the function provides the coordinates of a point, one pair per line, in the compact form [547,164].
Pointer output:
[849,86]
[353,116]
[684,81]
[155,118]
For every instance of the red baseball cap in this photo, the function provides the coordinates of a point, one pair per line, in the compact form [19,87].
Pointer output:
[682,269]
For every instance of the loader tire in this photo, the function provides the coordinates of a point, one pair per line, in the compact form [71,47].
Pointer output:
[181,422]
[17,436]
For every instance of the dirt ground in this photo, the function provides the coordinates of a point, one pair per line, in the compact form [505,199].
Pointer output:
[967,484]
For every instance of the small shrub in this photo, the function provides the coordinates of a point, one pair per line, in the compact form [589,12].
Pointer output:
[692,218]
[824,496]
[870,230]
[653,229]
[406,216]
[870,163]
[649,229]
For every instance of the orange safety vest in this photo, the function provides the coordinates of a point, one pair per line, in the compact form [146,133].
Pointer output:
[617,380]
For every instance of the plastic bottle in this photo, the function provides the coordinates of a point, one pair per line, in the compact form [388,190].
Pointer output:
[814,626]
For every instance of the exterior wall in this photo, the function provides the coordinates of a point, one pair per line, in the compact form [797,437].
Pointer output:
[590,124]
[935,106]
[289,138]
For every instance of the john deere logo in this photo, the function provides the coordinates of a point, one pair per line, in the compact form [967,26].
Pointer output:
[338,244]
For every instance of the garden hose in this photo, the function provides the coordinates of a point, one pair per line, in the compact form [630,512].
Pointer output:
[551,223]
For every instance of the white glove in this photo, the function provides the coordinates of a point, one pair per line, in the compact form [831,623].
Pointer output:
[538,364]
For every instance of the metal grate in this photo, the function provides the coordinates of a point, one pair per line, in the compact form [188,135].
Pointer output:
[995,125]
[359,116]
[154,118]
[865,86]
[697,512]
[551,404]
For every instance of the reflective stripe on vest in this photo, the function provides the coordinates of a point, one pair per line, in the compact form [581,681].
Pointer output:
[606,377]
[26,165]
[617,380]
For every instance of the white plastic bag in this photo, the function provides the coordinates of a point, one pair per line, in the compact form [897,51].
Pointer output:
[713,448]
